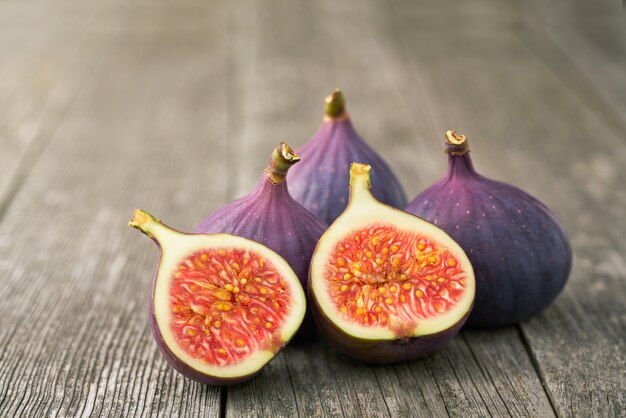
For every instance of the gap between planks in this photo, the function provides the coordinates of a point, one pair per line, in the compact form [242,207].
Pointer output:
[537,367]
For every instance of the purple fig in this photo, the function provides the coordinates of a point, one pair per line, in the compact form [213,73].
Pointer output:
[270,216]
[319,182]
[386,286]
[519,250]
[221,306]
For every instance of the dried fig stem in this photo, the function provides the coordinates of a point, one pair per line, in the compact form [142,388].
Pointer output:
[456,144]
[150,225]
[282,158]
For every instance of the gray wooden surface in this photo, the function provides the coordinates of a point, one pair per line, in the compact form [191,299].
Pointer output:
[174,107]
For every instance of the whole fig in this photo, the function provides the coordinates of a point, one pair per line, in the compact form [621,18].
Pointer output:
[520,252]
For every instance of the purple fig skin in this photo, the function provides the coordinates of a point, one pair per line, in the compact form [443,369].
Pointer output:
[518,248]
[381,352]
[319,181]
[270,216]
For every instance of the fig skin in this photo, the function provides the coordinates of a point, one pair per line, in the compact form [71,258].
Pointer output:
[377,352]
[519,250]
[319,182]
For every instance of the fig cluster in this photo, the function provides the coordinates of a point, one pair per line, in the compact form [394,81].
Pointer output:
[326,246]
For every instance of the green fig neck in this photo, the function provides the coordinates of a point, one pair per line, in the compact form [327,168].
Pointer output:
[458,151]
[335,108]
[151,226]
[360,185]
[281,160]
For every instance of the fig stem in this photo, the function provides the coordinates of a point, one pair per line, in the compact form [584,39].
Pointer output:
[335,105]
[360,185]
[456,144]
[150,226]
[282,158]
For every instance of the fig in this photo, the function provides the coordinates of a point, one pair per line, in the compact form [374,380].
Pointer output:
[319,182]
[270,216]
[519,250]
[222,306]
[386,286]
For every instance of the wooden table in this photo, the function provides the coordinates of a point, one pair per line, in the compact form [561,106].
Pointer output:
[173,107]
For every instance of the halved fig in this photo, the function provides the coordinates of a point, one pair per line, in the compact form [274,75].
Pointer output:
[222,306]
[387,286]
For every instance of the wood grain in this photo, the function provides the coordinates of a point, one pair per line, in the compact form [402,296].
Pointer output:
[175,108]
[148,129]
[42,72]
[590,39]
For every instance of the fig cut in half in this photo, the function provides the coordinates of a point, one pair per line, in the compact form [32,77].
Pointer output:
[387,286]
[222,306]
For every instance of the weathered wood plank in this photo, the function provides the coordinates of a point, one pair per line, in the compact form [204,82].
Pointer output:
[532,126]
[41,72]
[285,79]
[175,95]
[148,129]
[591,47]
[591,38]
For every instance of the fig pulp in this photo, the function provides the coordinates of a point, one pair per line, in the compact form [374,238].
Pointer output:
[222,306]
[386,286]
[319,182]
[519,250]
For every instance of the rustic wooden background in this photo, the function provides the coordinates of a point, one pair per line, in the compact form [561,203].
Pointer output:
[175,106]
